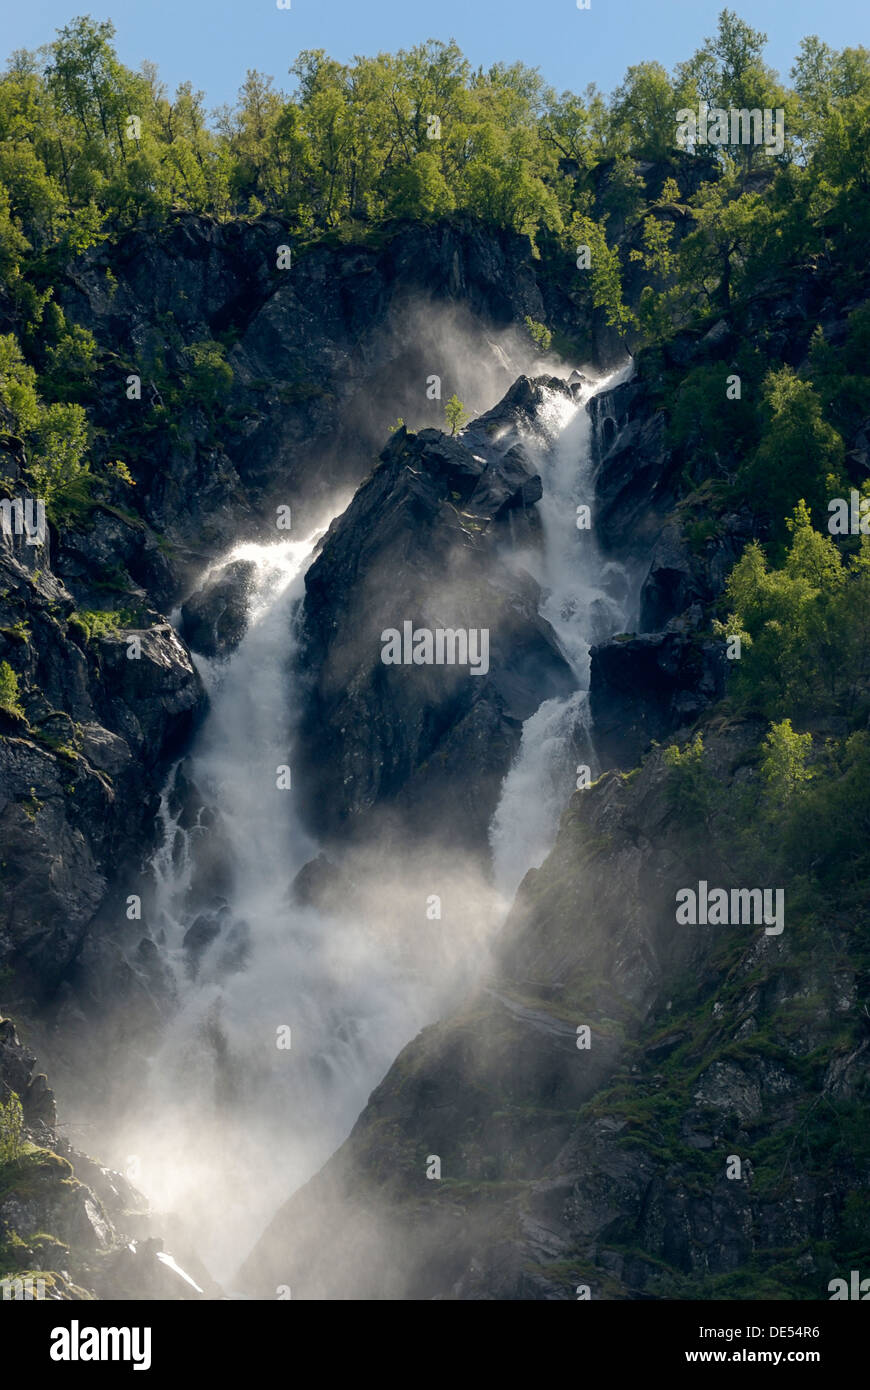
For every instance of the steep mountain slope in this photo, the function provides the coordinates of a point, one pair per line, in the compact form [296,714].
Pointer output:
[610,1162]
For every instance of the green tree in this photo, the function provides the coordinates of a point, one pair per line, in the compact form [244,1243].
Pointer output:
[729,72]
[799,456]
[420,190]
[10,698]
[455,414]
[18,398]
[605,271]
[783,765]
[211,376]
[539,334]
[645,105]
[11,1129]
[56,459]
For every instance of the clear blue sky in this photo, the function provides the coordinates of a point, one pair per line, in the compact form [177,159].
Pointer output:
[213,42]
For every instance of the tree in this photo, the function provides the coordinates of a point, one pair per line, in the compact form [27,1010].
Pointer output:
[734,232]
[799,455]
[539,334]
[605,272]
[420,190]
[729,72]
[783,765]
[11,1129]
[56,458]
[18,397]
[805,626]
[10,699]
[645,105]
[455,413]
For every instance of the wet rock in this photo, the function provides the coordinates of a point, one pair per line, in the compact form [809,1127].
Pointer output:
[422,750]
[214,619]
[646,687]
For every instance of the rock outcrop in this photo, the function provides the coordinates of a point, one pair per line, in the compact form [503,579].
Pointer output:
[424,748]
[101,710]
[508,1155]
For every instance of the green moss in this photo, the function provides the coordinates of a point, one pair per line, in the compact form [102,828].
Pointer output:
[10,698]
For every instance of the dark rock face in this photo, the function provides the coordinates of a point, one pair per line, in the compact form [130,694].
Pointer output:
[324,356]
[81,768]
[16,1071]
[602,1164]
[634,483]
[426,746]
[215,617]
[646,687]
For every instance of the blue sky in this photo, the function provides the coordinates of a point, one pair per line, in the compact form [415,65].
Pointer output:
[213,42]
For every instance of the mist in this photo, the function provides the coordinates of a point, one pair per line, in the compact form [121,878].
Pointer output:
[288,1014]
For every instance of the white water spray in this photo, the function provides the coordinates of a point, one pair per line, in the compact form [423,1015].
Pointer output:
[227,1123]
[586,599]
[230,1120]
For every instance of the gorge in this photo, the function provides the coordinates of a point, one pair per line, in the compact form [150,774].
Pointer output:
[411,618]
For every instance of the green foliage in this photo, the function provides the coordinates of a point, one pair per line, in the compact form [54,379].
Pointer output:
[832,815]
[645,105]
[706,426]
[211,376]
[18,396]
[805,626]
[116,468]
[728,247]
[101,622]
[539,334]
[455,414]
[420,190]
[604,270]
[70,365]
[800,455]
[783,766]
[842,376]
[10,699]
[689,785]
[728,71]
[11,1129]
[56,460]
[421,134]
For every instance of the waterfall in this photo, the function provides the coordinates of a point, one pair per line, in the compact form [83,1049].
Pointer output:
[228,1120]
[585,598]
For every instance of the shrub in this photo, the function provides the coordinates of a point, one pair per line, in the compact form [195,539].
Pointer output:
[455,413]
[57,461]
[9,695]
[539,334]
[11,1129]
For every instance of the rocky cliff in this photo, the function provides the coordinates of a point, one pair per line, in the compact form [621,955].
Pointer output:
[314,363]
[509,1154]
[426,541]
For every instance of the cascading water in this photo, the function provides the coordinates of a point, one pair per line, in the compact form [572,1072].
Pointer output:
[228,1120]
[585,598]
